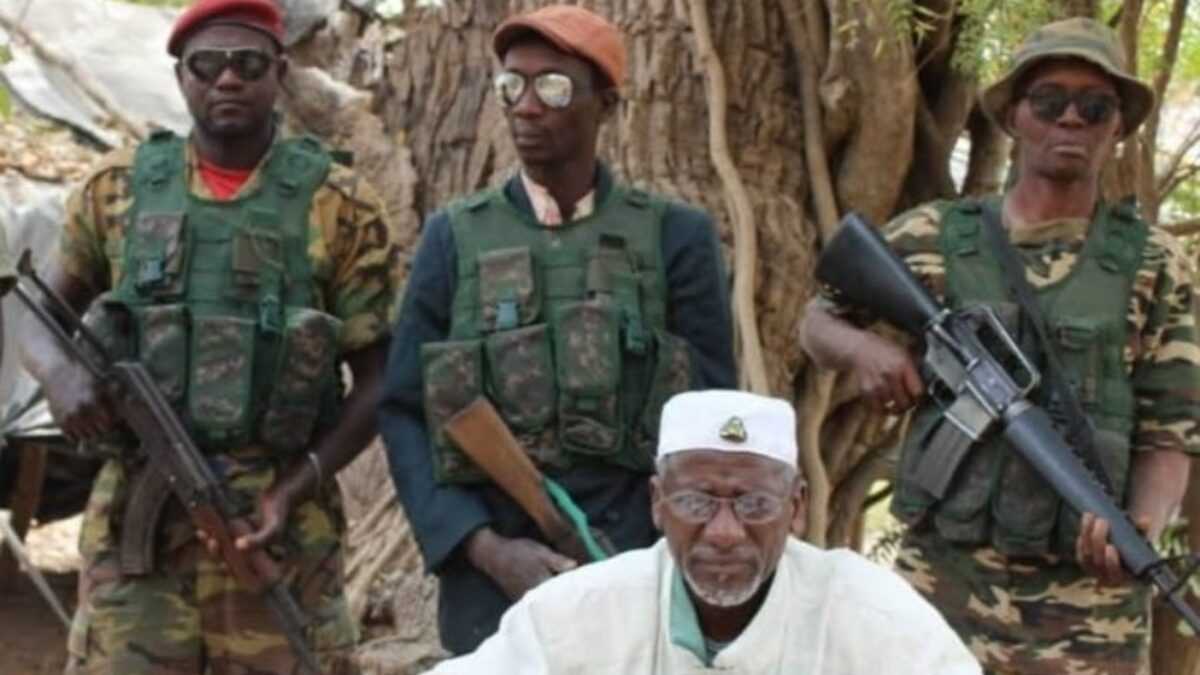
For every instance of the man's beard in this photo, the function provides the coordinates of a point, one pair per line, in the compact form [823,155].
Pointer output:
[723,595]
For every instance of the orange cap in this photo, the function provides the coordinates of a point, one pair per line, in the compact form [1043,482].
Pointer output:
[573,30]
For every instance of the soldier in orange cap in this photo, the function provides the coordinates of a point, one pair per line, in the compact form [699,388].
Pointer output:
[581,303]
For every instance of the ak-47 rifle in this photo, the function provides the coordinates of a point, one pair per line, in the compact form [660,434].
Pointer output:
[482,434]
[171,454]
[982,395]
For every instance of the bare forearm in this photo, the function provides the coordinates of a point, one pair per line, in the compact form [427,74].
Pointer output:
[829,341]
[1159,481]
[356,427]
[40,350]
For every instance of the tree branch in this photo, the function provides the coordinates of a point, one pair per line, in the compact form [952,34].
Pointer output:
[1147,189]
[1125,180]
[1180,177]
[801,34]
[929,176]
[815,397]
[1183,227]
[745,234]
[852,492]
[96,94]
[989,148]
[1173,164]
[814,23]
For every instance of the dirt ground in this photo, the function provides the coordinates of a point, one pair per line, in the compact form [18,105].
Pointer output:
[32,638]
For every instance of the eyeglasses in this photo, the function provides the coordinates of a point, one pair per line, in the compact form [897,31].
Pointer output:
[1049,102]
[698,508]
[556,90]
[248,63]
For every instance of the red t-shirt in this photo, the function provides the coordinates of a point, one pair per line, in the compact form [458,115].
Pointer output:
[223,183]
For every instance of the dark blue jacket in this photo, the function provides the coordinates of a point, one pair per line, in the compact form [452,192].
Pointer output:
[615,500]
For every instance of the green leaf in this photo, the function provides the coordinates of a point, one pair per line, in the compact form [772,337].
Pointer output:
[5,103]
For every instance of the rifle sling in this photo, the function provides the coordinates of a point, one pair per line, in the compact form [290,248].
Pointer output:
[1079,426]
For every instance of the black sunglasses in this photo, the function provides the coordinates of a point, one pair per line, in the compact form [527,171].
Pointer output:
[1049,102]
[248,63]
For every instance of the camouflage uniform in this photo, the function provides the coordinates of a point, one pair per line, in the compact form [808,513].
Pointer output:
[190,612]
[1042,614]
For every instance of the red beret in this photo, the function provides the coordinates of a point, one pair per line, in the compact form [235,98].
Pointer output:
[261,15]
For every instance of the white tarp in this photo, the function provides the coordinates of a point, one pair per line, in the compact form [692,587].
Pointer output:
[118,46]
[32,212]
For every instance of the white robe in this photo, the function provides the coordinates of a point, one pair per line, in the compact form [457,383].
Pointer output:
[827,613]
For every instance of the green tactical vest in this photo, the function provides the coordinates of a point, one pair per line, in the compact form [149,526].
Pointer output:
[996,496]
[563,329]
[220,297]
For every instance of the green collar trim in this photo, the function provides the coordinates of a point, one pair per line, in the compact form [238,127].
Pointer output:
[684,622]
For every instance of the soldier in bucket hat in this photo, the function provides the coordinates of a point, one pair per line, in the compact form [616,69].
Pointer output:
[1104,303]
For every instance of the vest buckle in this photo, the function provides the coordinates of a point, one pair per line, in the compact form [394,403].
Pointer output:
[506,315]
[150,272]
[635,334]
[268,314]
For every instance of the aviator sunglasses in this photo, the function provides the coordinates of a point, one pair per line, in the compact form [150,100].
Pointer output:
[1049,102]
[248,63]
[556,90]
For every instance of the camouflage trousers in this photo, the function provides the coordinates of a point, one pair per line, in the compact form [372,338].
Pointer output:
[1030,616]
[190,616]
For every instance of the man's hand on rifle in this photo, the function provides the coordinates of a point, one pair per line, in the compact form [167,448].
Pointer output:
[883,370]
[270,518]
[1099,558]
[886,374]
[77,403]
[516,565]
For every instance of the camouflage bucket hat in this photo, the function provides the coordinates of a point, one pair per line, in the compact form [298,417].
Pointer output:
[1078,38]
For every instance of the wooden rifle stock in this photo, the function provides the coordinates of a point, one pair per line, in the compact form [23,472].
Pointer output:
[482,434]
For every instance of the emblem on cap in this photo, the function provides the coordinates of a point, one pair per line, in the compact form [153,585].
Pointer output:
[734,430]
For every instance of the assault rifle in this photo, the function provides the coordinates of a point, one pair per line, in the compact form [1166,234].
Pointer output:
[963,356]
[171,454]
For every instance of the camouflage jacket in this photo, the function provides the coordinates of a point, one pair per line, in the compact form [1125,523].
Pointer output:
[1161,357]
[354,262]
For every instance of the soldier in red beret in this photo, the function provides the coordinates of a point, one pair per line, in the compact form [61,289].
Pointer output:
[250,268]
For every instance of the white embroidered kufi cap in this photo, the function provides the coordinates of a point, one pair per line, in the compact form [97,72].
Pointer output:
[735,421]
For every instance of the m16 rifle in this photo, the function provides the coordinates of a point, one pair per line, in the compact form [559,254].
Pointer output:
[171,454]
[964,355]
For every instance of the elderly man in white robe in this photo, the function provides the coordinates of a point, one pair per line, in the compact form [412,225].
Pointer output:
[728,588]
